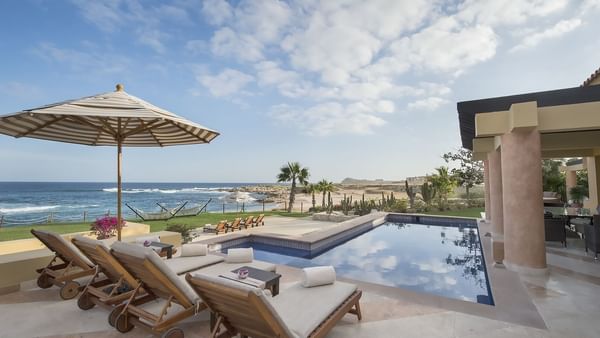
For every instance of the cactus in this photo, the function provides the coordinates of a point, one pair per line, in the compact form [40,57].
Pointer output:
[346,204]
[428,193]
[411,193]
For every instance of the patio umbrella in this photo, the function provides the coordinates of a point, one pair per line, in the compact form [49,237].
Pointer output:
[110,119]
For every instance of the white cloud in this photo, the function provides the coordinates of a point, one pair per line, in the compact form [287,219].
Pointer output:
[227,42]
[197,46]
[559,29]
[217,12]
[428,104]
[228,82]
[92,62]
[507,12]
[152,38]
[20,90]
[264,20]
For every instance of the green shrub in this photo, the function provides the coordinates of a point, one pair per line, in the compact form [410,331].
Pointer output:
[184,230]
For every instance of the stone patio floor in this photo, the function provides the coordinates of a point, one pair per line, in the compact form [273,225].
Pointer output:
[566,303]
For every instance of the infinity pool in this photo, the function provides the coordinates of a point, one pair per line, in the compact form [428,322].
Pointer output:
[441,260]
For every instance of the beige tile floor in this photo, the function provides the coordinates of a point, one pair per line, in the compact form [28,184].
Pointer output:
[566,303]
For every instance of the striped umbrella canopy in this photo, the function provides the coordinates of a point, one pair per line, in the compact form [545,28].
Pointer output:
[110,119]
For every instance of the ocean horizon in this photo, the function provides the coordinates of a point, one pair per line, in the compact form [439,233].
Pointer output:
[23,203]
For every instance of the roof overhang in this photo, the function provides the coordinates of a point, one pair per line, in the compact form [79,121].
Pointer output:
[562,116]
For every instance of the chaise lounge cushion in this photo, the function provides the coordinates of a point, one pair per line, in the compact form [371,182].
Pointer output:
[70,246]
[147,253]
[239,255]
[194,249]
[317,304]
[181,265]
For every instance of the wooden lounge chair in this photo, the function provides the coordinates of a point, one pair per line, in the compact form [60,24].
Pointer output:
[247,222]
[172,299]
[220,228]
[297,312]
[67,265]
[260,220]
[235,225]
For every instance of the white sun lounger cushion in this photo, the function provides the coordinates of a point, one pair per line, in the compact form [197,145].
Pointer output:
[239,255]
[190,250]
[142,252]
[71,246]
[304,309]
[317,276]
[181,265]
[90,241]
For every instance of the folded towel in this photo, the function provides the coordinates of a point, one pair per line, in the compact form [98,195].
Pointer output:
[240,255]
[188,250]
[318,275]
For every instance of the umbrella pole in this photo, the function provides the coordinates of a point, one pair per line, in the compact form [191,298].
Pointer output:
[119,155]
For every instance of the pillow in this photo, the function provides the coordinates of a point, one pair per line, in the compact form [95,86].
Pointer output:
[188,250]
[240,255]
[317,276]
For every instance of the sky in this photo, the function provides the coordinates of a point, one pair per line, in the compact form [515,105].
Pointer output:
[362,89]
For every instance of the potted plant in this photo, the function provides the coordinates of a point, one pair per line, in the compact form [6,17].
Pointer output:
[105,227]
[578,193]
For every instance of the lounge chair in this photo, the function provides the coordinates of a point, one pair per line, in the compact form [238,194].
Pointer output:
[295,312]
[247,222]
[235,225]
[592,236]
[67,265]
[260,220]
[172,299]
[555,230]
[221,227]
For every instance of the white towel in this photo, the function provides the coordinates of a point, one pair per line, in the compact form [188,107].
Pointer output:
[318,275]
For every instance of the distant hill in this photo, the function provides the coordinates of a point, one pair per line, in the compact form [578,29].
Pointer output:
[357,181]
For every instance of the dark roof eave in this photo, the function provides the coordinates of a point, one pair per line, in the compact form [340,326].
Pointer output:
[468,109]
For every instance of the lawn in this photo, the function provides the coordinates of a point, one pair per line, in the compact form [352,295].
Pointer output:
[20,232]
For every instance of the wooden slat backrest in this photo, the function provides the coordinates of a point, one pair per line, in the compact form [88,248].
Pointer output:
[244,310]
[260,218]
[248,220]
[109,265]
[153,279]
[60,249]
[236,223]
[221,226]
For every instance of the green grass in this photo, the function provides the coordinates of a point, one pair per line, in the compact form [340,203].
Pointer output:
[21,232]
[469,212]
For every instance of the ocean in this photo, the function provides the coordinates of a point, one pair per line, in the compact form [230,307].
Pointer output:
[24,203]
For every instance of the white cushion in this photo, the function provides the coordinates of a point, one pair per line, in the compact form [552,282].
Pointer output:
[317,276]
[91,241]
[239,255]
[304,309]
[221,268]
[159,263]
[189,250]
[181,265]
[70,246]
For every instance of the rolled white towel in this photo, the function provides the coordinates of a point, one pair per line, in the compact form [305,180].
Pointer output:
[189,250]
[317,276]
[240,255]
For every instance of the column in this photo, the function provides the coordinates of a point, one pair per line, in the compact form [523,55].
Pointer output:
[571,181]
[495,180]
[593,168]
[486,188]
[524,238]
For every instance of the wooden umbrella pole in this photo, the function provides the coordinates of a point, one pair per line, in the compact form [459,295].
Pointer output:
[119,156]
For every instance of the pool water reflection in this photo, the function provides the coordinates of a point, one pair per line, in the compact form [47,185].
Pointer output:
[441,260]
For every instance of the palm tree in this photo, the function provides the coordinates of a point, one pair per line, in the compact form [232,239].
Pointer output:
[443,183]
[293,172]
[312,189]
[325,187]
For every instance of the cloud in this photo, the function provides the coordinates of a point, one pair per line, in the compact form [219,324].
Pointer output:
[507,12]
[559,29]
[244,47]
[216,12]
[197,47]
[153,38]
[228,82]
[92,62]
[20,90]
[427,104]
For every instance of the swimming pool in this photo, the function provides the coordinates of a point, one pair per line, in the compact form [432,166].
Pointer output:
[442,260]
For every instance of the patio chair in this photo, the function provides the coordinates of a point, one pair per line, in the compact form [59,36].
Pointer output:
[260,220]
[296,312]
[555,230]
[67,265]
[592,236]
[235,225]
[219,228]
[247,222]
[172,300]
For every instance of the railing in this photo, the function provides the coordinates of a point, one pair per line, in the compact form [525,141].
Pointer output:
[87,216]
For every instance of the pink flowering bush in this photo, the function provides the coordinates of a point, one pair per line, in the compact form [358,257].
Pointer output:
[105,227]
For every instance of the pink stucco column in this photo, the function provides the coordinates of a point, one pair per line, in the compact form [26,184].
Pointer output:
[486,189]
[524,238]
[496,205]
